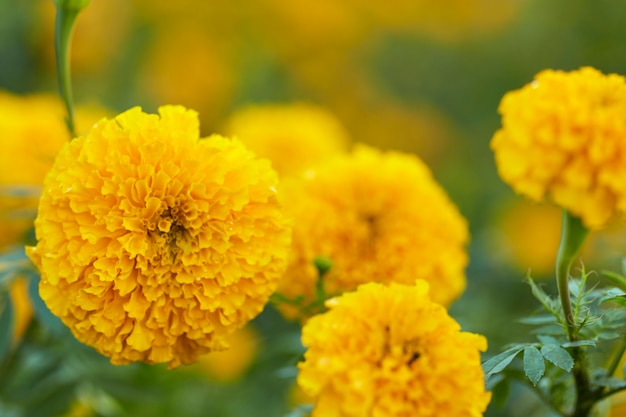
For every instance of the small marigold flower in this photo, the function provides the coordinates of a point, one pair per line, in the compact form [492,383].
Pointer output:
[377,217]
[390,351]
[154,245]
[32,131]
[294,137]
[562,140]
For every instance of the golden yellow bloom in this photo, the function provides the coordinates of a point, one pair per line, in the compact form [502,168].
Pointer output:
[378,217]
[22,305]
[32,131]
[230,364]
[389,351]
[292,137]
[153,245]
[563,139]
[521,226]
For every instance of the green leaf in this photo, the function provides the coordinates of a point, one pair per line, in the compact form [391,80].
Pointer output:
[578,343]
[610,382]
[500,393]
[6,325]
[547,340]
[500,361]
[541,295]
[535,320]
[558,356]
[534,364]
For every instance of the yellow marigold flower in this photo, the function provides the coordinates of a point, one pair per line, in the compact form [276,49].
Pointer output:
[562,140]
[230,364]
[154,245]
[390,351]
[293,137]
[22,305]
[520,227]
[377,217]
[32,131]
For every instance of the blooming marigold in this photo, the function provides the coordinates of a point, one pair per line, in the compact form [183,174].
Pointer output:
[377,217]
[293,137]
[32,132]
[153,245]
[563,140]
[390,351]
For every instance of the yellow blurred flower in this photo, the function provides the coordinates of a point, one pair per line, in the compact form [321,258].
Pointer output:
[230,364]
[22,306]
[100,32]
[562,140]
[378,217]
[152,244]
[293,137]
[184,64]
[390,351]
[32,131]
[522,226]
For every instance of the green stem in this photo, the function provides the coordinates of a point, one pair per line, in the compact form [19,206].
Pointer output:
[67,11]
[573,235]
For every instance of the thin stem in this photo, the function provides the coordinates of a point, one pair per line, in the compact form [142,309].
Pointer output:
[67,11]
[573,235]
[617,358]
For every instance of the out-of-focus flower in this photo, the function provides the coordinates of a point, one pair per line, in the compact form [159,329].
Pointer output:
[450,21]
[391,351]
[22,306]
[183,64]
[377,217]
[562,140]
[230,364]
[521,227]
[32,131]
[152,244]
[293,137]
[100,32]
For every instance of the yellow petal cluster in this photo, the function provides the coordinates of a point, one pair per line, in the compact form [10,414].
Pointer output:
[563,139]
[32,131]
[153,244]
[378,217]
[293,137]
[389,351]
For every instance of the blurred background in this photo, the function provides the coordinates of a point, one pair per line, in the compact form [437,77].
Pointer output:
[411,75]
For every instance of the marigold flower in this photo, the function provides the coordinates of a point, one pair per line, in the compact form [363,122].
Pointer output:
[377,217]
[154,245]
[390,351]
[32,131]
[562,140]
[294,137]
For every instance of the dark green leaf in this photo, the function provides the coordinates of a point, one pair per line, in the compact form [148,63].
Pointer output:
[501,361]
[553,330]
[534,364]
[500,393]
[6,324]
[558,356]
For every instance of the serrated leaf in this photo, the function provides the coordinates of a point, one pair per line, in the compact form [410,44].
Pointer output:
[534,364]
[558,356]
[535,320]
[610,382]
[500,361]
[552,330]
[6,325]
[578,343]
[548,340]
[540,295]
